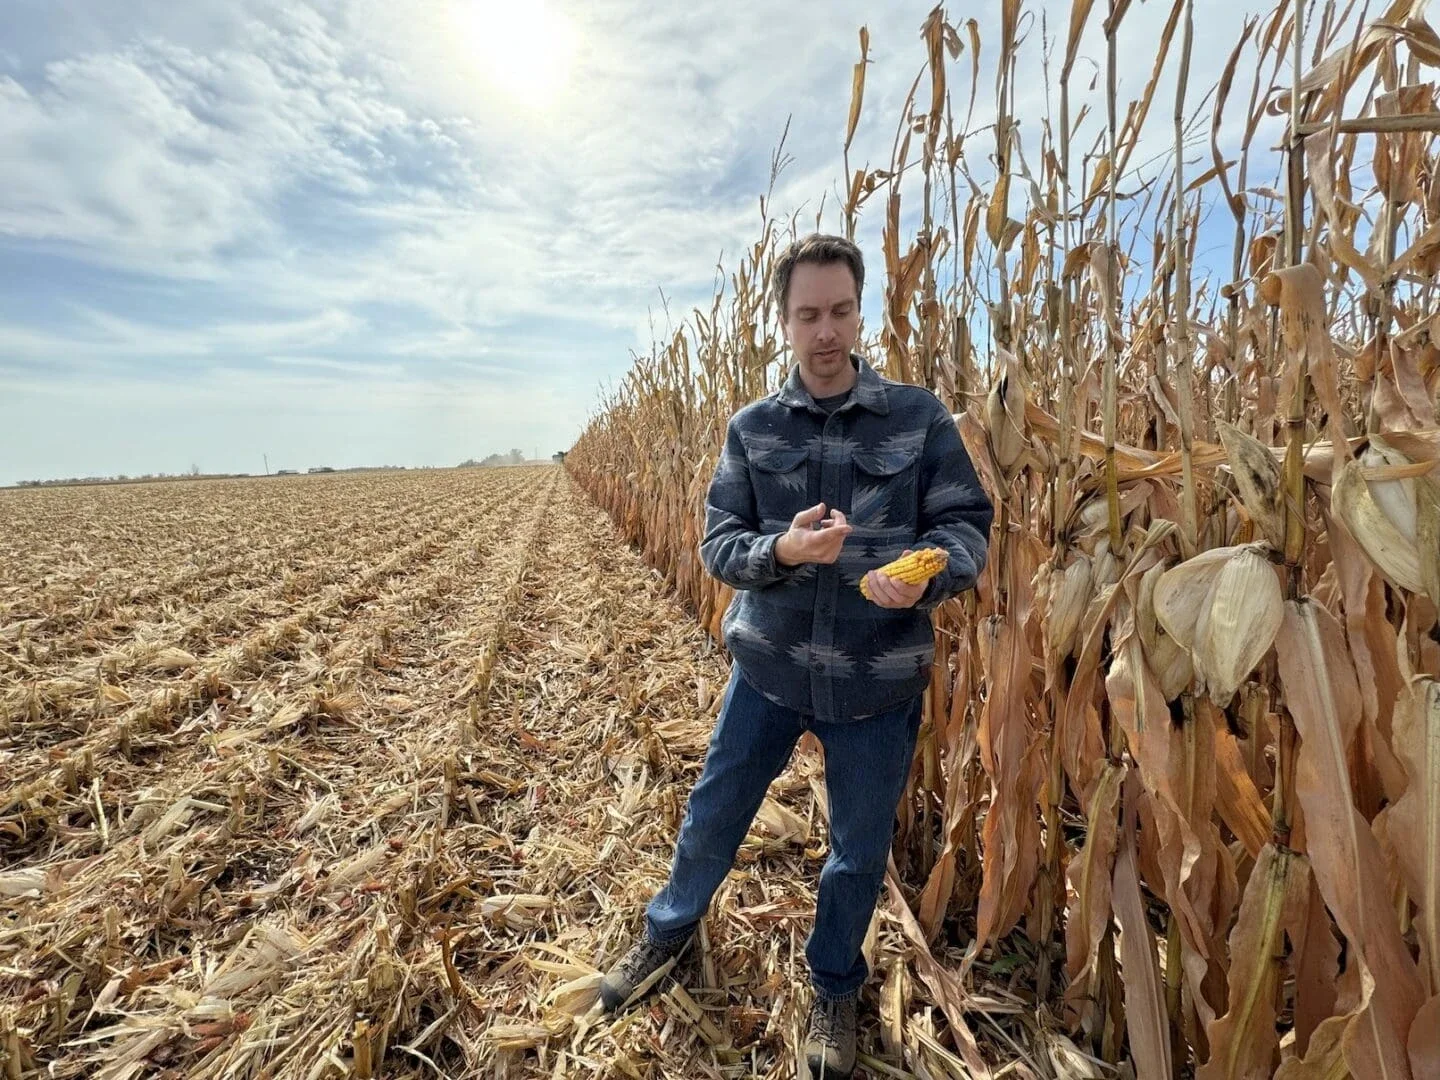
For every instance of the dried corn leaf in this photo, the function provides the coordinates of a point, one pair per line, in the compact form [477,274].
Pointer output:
[947,988]
[1009,752]
[782,822]
[171,659]
[1140,708]
[1325,1057]
[1424,1043]
[1090,874]
[1257,475]
[1145,1017]
[1239,800]
[1315,958]
[857,89]
[1322,695]
[1415,817]
[1372,644]
[1244,1042]
[1178,772]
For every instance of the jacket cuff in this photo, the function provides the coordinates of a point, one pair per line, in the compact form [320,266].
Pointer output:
[941,588]
[931,598]
[774,568]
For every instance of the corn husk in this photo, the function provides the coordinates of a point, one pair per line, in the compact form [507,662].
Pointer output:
[1396,520]
[1183,594]
[1066,595]
[1245,612]
[1224,607]
[1167,657]
[1005,416]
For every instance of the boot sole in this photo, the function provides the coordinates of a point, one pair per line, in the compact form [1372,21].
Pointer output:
[820,1071]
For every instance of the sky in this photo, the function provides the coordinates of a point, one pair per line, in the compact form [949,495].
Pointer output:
[355,232]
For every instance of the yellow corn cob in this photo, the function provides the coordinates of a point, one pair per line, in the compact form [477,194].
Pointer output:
[917,567]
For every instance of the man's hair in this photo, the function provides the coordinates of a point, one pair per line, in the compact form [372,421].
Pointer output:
[821,249]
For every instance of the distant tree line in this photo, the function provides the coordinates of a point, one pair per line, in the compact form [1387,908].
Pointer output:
[193,474]
[514,457]
[124,478]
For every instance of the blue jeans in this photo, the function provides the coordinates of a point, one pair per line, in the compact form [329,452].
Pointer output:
[866,765]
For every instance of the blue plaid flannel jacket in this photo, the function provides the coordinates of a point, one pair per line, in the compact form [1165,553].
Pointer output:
[892,460]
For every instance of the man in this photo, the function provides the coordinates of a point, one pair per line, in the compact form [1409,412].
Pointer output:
[820,483]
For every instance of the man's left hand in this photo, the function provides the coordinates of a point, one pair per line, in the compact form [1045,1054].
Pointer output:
[891,592]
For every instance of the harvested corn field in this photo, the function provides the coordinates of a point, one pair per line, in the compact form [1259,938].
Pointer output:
[367,776]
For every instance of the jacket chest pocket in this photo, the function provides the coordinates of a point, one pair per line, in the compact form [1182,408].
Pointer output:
[781,477]
[884,492]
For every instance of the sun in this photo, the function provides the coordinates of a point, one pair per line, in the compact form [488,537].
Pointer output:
[521,48]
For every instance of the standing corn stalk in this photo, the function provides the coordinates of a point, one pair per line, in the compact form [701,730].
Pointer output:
[1203,658]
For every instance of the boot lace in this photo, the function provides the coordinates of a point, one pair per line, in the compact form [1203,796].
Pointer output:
[644,958]
[828,1018]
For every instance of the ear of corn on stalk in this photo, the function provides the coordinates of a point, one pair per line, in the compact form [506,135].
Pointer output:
[1167,658]
[1066,594]
[1246,610]
[1395,521]
[1224,607]
[1005,417]
[913,569]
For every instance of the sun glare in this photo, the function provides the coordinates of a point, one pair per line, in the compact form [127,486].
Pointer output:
[522,48]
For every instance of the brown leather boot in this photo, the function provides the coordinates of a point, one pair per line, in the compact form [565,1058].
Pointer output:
[638,971]
[830,1047]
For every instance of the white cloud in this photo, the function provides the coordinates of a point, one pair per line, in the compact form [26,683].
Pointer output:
[348,367]
[304,195]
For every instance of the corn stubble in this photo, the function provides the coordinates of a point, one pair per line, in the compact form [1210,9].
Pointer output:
[256,854]
[392,815]
[1177,788]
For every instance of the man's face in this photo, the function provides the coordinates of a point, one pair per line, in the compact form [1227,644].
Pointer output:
[823,322]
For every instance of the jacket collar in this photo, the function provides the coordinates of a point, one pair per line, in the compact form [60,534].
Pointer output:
[868,393]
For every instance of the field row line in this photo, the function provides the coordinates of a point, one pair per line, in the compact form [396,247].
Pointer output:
[215,671]
[47,695]
[328,885]
[105,606]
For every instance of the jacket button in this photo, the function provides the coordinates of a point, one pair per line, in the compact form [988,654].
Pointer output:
[817,666]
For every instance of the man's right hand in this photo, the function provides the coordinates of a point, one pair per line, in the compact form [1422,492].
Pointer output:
[805,543]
